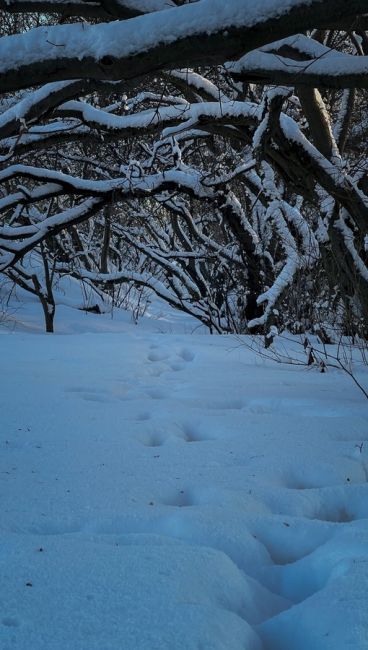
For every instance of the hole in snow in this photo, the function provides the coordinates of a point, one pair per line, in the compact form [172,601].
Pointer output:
[338,516]
[157,356]
[191,434]
[153,440]
[186,355]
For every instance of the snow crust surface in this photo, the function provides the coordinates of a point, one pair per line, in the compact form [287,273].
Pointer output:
[168,490]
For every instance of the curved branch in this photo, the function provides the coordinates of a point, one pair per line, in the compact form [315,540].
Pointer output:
[301,61]
[206,32]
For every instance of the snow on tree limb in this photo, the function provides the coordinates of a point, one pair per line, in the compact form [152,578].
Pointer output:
[191,181]
[206,32]
[34,105]
[81,120]
[203,188]
[301,61]
[293,262]
[11,252]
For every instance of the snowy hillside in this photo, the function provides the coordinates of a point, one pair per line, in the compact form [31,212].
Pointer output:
[164,490]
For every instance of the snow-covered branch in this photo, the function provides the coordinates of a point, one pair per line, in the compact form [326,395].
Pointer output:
[301,61]
[203,33]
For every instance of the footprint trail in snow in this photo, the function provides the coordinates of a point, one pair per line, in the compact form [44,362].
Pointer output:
[161,492]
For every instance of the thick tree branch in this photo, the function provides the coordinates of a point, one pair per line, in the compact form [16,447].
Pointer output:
[204,33]
[301,61]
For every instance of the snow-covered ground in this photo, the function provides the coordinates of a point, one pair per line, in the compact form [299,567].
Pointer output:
[165,490]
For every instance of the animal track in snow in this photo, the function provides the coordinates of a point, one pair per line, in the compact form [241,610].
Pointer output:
[186,354]
[288,539]
[181,434]
[157,371]
[300,578]
[283,556]
[336,504]
[177,366]
[157,356]
[338,515]
[342,506]
[153,439]
[311,476]
[192,434]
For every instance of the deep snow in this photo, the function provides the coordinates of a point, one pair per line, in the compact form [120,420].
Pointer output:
[165,490]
